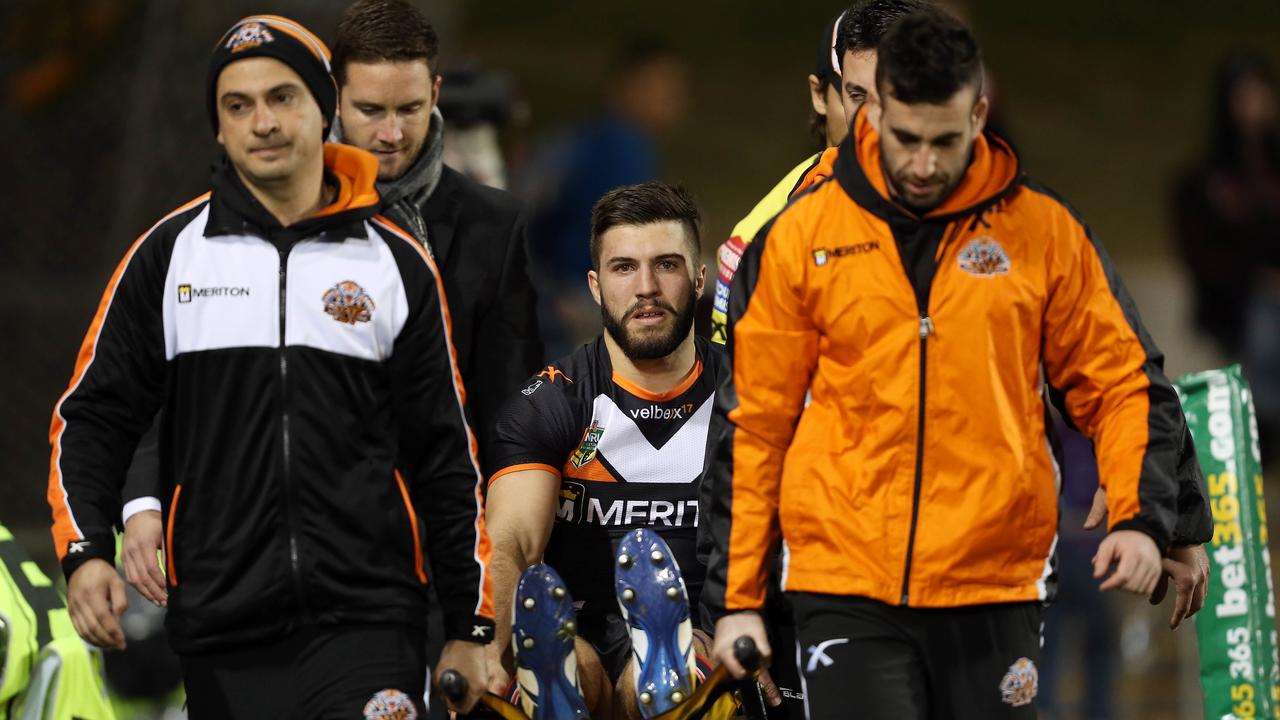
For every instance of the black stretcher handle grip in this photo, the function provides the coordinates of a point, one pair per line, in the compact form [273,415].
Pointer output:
[455,688]
[453,685]
[746,652]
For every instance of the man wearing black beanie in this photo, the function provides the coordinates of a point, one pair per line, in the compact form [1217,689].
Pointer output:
[312,426]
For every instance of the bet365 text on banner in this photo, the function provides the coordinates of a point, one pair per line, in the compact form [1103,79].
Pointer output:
[1237,627]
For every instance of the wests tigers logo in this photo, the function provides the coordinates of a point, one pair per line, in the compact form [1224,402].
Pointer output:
[249,35]
[984,257]
[390,704]
[348,303]
[1020,685]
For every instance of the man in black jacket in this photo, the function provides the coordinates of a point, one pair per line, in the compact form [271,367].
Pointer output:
[386,65]
[387,68]
[313,419]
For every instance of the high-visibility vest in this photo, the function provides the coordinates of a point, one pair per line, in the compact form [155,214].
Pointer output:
[46,671]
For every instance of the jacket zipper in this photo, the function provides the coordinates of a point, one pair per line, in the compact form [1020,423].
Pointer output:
[926,329]
[294,567]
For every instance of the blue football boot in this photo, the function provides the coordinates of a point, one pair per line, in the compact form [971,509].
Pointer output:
[655,603]
[543,630]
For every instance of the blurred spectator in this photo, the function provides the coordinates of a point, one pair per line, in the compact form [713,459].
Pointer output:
[1228,227]
[646,96]
[1079,627]
[477,105]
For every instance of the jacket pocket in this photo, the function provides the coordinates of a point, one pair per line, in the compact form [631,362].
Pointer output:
[413,529]
[168,539]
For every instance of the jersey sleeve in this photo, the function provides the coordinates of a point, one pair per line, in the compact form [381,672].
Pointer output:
[534,429]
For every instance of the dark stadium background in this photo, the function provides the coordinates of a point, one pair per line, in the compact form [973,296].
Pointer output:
[104,129]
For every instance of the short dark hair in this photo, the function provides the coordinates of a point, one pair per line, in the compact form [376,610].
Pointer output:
[927,57]
[866,21]
[383,31]
[644,204]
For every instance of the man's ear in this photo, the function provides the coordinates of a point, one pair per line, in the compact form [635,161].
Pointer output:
[817,95]
[435,90]
[874,111]
[978,118]
[700,279]
[593,282]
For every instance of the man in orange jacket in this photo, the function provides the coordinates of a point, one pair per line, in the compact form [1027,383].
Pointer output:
[926,293]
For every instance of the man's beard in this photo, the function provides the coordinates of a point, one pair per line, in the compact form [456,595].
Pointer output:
[651,346]
[943,189]
[942,192]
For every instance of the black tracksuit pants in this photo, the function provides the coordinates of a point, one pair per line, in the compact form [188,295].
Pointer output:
[317,673]
[865,660]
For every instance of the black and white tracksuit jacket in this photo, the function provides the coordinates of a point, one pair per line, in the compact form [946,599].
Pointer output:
[313,443]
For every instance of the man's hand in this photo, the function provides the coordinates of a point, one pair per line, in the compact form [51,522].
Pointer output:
[1137,562]
[499,678]
[96,600]
[1188,566]
[729,629]
[467,658]
[143,539]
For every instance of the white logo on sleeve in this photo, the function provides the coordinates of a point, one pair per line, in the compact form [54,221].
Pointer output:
[818,654]
[78,546]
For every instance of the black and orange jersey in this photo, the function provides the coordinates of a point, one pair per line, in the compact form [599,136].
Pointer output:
[626,457]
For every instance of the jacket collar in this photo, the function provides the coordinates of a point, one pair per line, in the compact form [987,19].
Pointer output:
[994,171]
[822,169]
[234,211]
[441,213]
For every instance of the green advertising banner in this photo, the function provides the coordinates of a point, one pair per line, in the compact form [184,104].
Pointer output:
[1237,627]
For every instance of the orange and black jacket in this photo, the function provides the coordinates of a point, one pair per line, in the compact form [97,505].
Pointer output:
[313,447]
[921,473]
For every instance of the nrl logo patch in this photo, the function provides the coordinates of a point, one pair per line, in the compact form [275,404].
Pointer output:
[1020,685]
[984,257]
[586,451]
[250,35]
[390,704]
[348,303]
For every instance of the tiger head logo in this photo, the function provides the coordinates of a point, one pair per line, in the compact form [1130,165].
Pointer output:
[348,303]
[390,704]
[249,35]
[1020,685]
[984,257]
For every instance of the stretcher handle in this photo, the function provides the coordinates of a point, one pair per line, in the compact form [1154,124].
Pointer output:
[454,686]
